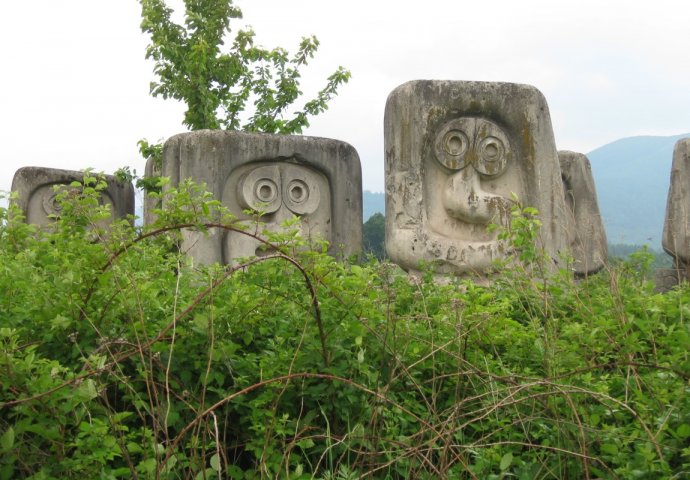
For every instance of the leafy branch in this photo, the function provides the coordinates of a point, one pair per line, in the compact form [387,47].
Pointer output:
[218,84]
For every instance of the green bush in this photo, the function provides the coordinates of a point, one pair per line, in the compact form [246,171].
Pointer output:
[119,358]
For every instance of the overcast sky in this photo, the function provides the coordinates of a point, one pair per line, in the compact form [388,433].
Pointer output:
[74,83]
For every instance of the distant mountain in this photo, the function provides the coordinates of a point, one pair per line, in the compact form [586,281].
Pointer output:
[373,202]
[632,177]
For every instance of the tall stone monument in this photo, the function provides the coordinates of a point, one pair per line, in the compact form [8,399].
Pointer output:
[455,152]
[588,244]
[38,189]
[676,235]
[316,179]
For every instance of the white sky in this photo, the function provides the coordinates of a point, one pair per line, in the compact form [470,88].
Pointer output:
[74,83]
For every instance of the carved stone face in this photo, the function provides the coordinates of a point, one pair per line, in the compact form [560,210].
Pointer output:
[470,156]
[39,189]
[279,191]
[469,174]
[43,204]
[318,180]
[456,153]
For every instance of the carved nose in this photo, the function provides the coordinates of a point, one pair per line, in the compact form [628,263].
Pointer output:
[273,223]
[464,199]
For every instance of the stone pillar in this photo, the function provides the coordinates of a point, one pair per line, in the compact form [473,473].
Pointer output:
[676,235]
[588,244]
[316,179]
[456,151]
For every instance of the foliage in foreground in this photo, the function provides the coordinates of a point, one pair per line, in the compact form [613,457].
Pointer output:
[121,359]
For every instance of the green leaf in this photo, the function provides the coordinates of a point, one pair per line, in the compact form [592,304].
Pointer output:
[594,419]
[61,322]
[235,472]
[215,462]
[170,464]
[609,448]
[506,460]
[683,431]
[200,323]
[134,447]
[206,474]
[148,465]
[86,390]
[7,439]
[306,443]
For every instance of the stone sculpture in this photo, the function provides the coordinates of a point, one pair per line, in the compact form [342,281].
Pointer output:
[316,179]
[151,170]
[676,235]
[455,153]
[37,193]
[588,244]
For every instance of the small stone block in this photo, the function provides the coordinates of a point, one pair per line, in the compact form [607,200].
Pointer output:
[37,194]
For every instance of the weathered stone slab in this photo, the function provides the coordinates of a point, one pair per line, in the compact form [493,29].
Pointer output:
[316,179]
[455,152]
[676,236]
[667,278]
[588,244]
[37,192]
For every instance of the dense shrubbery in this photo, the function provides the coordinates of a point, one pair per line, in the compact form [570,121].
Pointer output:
[121,359]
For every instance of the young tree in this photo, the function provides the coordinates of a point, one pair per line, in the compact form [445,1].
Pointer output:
[217,83]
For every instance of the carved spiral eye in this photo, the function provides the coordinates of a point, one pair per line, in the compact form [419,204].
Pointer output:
[301,191]
[265,198]
[491,156]
[51,205]
[453,143]
[260,190]
[266,190]
[298,191]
